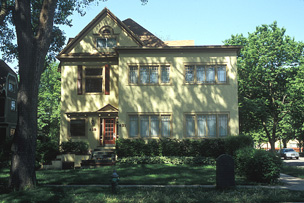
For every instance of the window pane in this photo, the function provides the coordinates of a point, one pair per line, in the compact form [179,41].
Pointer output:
[223,125]
[144,126]
[201,125]
[133,75]
[154,74]
[111,42]
[221,74]
[165,126]
[211,121]
[93,84]
[11,87]
[144,74]
[210,75]
[77,127]
[190,126]
[13,105]
[165,74]
[101,43]
[133,126]
[189,74]
[200,74]
[154,126]
[93,71]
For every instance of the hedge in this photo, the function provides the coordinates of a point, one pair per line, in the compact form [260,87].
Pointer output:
[185,147]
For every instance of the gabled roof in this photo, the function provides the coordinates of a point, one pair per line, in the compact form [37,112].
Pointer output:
[91,25]
[108,108]
[144,35]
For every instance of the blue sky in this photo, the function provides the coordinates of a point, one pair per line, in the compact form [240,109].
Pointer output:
[207,22]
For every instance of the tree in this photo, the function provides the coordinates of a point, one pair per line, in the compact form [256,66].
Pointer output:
[38,35]
[267,62]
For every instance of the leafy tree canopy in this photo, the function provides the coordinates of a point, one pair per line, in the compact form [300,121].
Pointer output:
[268,61]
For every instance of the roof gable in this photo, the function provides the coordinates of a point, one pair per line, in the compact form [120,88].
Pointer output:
[108,108]
[109,18]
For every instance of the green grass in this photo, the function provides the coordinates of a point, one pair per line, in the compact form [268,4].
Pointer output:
[146,195]
[293,171]
[149,174]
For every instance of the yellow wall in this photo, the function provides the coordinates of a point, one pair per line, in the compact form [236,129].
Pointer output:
[178,98]
[71,102]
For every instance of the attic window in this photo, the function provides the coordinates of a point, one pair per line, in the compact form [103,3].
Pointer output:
[107,38]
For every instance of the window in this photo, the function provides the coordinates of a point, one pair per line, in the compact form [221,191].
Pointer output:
[205,74]
[206,125]
[13,105]
[106,42]
[77,127]
[149,74]
[92,79]
[11,87]
[150,126]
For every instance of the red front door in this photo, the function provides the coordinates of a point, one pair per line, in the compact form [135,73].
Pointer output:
[109,131]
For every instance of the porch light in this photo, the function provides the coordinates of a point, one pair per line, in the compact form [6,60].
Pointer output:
[93,122]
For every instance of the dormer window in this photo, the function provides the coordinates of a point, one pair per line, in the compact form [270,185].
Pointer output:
[107,38]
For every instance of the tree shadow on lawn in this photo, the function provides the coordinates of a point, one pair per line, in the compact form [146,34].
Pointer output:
[148,174]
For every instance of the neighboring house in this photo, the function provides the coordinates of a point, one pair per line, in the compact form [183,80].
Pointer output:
[119,80]
[8,101]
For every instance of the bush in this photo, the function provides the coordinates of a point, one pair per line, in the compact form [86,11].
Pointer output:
[258,165]
[74,147]
[46,151]
[185,147]
[167,160]
[234,143]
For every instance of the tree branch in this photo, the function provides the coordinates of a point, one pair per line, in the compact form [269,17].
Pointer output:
[4,10]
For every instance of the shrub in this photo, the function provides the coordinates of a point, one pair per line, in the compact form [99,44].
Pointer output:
[258,165]
[5,152]
[74,147]
[175,160]
[46,151]
[234,143]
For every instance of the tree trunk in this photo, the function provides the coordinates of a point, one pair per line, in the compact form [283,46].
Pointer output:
[32,51]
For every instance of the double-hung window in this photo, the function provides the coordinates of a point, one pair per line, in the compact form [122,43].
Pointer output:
[205,74]
[93,80]
[149,74]
[206,125]
[13,105]
[106,42]
[149,126]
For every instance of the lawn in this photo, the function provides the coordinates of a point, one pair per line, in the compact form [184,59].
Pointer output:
[296,171]
[146,195]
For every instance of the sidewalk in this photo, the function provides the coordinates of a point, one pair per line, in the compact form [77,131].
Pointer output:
[291,183]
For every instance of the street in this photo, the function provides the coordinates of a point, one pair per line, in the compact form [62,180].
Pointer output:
[295,162]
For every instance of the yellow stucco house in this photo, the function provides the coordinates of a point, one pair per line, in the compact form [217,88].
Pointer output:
[121,81]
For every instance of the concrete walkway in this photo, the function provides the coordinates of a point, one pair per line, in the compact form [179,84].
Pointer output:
[290,183]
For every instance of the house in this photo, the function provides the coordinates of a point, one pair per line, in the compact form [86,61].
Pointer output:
[8,98]
[121,81]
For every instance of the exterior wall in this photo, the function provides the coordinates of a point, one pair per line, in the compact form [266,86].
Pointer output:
[178,98]
[71,102]
[88,43]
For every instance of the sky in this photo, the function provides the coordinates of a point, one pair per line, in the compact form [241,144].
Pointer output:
[207,22]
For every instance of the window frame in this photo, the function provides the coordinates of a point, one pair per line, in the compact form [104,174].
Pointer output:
[138,68]
[139,117]
[84,77]
[85,127]
[106,33]
[206,67]
[196,127]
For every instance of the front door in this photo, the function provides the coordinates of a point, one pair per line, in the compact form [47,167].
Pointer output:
[109,131]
